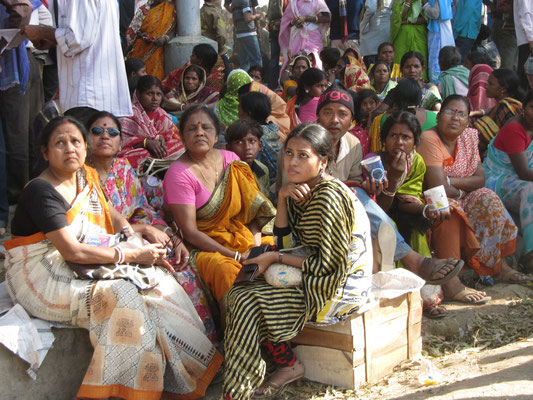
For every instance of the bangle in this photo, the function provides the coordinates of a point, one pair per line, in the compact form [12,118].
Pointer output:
[144,143]
[424,211]
[120,255]
[316,19]
[238,256]
[387,193]
[167,228]
[280,257]
[482,112]
[448,181]
[461,194]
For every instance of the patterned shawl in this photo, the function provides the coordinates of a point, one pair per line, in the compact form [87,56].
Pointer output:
[227,108]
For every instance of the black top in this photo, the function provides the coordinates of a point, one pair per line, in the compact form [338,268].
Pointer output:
[40,209]
[238,8]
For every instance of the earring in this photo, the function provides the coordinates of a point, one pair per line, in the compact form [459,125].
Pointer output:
[306,91]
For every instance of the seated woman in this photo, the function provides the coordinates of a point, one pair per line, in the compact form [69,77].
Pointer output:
[132,332]
[255,106]
[150,132]
[302,107]
[215,201]
[299,65]
[479,228]
[192,90]
[325,216]
[366,101]
[477,87]
[380,79]
[503,86]
[123,188]
[509,169]
[454,76]
[404,97]
[402,200]
[227,108]
[205,56]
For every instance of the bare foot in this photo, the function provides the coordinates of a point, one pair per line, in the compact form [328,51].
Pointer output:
[279,379]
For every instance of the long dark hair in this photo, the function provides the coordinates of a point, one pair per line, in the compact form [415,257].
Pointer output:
[509,80]
[310,77]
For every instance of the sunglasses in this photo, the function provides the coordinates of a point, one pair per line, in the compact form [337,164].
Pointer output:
[97,130]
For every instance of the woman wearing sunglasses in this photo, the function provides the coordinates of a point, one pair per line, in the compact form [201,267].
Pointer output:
[123,188]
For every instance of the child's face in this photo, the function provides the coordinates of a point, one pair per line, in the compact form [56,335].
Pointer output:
[247,148]
[368,105]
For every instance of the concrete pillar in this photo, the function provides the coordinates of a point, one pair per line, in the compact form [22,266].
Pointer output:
[188,35]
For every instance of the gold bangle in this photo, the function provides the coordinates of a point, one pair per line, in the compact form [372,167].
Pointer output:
[144,143]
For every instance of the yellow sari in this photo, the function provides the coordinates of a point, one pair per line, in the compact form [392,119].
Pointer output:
[235,203]
[158,21]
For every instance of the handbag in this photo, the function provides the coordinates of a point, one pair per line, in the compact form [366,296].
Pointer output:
[284,275]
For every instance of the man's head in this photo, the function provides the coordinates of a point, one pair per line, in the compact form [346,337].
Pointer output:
[335,111]
[205,56]
[449,57]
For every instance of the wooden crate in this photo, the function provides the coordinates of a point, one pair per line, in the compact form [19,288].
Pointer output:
[364,348]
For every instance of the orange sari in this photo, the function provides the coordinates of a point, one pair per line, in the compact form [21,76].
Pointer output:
[158,21]
[235,203]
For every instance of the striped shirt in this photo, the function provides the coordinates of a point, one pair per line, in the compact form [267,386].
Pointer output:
[90,64]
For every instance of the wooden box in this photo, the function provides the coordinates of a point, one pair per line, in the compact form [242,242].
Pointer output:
[365,347]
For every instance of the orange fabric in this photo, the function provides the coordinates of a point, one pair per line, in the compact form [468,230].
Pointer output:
[288,84]
[433,150]
[158,22]
[228,227]
[291,112]
[278,114]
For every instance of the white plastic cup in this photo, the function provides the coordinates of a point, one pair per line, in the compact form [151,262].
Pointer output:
[436,198]
[374,167]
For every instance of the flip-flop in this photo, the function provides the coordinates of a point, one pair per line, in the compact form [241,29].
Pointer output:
[427,312]
[461,297]
[432,265]
[527,282]
[270,389]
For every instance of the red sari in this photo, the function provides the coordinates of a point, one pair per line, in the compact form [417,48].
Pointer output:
[148,126]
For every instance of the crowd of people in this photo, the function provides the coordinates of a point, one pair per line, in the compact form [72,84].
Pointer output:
[144,195]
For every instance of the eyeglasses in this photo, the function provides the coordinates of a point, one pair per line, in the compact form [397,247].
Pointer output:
[459,114]
[98,130]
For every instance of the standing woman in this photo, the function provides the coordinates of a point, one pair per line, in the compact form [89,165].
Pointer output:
[509,169]
[303,26]
[322,214]
[149,31]
[134,329]
[503,86]
[408,31]
[302,107]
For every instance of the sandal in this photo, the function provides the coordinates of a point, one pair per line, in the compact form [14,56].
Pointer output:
[514,276]
[270,389]
[462,297]
[431,266]
[435,312]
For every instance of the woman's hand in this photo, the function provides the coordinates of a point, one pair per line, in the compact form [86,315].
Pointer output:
[373,187]
[263,261]
[436,215]
[396,168]
[146,255]
[181,255]
[162,40]
[297,191]
[156,147]
[154,235]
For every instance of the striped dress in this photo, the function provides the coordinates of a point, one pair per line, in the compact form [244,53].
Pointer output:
[334,227]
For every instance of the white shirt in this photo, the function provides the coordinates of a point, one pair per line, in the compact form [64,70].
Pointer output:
[523,21]
[89,57]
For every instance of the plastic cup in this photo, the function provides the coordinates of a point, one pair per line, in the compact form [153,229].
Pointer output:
[436,198]
[374,167]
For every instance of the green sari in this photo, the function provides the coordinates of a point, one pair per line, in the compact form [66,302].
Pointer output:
[408,36]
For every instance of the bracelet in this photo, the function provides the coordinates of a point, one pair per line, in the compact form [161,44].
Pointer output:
[461,194]
[120,255]
[280,257]
[316,19]
[448,181]
[167,228]
[387,193]
[482,112]
[238,256]
[424,211]
[144,143]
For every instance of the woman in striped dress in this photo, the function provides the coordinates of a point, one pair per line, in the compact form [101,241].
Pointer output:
[321,213]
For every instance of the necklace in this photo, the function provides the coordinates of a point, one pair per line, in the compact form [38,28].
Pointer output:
[201,169]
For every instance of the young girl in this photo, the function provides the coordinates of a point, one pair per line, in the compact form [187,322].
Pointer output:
[302,107]
[366,101]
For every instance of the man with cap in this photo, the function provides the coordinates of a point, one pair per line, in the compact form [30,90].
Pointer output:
[335,112]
